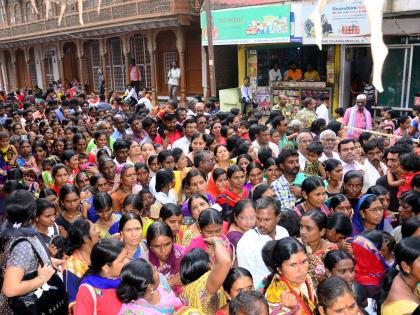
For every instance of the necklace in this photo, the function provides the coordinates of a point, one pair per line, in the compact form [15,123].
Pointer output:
[87,261]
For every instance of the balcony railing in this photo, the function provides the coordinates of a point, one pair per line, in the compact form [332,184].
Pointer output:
[113,13]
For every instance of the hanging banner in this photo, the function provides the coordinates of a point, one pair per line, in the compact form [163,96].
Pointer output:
[249,25]
[342,23]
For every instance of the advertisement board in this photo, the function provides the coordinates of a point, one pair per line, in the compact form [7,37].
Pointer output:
[342,23]
[249,25]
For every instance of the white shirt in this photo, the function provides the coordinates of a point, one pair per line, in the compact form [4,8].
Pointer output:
[173,76]
[356,166]
[302,161]
[274,75]
[274,147]
[334,156]
[147,103]
[246,93]
[322,112]
[132,94]
[182,143]
[249,250]
[373,173]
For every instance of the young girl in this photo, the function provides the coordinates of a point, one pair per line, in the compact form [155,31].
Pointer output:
[71,160]
[102,203]
[198,143]
[196,204]
[254,172]
[45,220]
[60,176]
[8,152]
[147,149]
[101,142]
[153,164]
[70,205]
[404,124]
[165,182]
[142,172]
[314,167]
[171,214]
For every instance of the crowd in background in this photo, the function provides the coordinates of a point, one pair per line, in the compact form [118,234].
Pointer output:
[114,206]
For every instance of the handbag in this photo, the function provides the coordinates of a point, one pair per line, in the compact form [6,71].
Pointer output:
[50,299]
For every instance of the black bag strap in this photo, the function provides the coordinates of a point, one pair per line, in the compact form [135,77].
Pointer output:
[23,239]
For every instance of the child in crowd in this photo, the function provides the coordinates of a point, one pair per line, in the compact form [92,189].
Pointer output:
[314,167]
[242,129]
[409,166]
[7,151]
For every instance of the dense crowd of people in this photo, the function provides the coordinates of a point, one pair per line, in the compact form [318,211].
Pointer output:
[114,206]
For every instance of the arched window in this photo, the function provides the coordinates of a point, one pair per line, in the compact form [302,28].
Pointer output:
[3,19]
[18,14]
[30,12]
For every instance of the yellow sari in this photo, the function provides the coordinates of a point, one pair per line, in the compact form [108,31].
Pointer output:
[305,295]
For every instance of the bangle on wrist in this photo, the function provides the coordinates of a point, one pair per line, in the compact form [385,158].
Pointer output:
[43,280]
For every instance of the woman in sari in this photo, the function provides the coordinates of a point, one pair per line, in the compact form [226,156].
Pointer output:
[288,288]
[164,254]
[218,182]
[81,237]
[171,214]
[131,228]
[312,228]
[125,184]
[102,203]
[398,294]
[210,223]
[144,291]
[368,215]
[196,204]
[202,284]
[370,266]
[243,219]
[236,190]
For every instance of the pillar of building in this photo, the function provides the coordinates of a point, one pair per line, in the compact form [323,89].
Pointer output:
[2,87]
[126,47]
[60,60]
[151,47]
[79,46]
[28,67]
[42,64]
[14,71]
[103,50]
[180,45]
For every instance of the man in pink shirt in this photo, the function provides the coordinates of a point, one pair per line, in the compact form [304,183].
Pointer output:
[357,117]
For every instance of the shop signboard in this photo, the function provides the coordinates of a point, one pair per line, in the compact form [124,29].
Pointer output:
[249,25]
[342,23]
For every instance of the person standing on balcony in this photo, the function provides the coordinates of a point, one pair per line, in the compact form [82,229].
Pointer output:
[134,76]
[173,80]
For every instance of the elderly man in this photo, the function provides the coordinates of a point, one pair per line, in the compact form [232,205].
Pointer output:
[373,166]
[303,139]
[328,139]
[357,117]
[120,130]
[307,114]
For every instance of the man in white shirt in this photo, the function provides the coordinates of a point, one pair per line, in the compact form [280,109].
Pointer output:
[146,100]
[252,242]
[261,140]
[274,74]
[173,80]
[190,128]
[346,150]
[131,94]
[373,165]
[303,140]
[328,139]
[322,109]
[246,93]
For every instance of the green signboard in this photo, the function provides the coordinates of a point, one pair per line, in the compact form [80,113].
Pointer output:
[249,25]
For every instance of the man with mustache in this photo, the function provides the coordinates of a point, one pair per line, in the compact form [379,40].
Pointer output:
[284,187]
[250,245]
[373,166]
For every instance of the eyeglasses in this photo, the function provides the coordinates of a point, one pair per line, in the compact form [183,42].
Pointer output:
[373,210]
[328,140]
